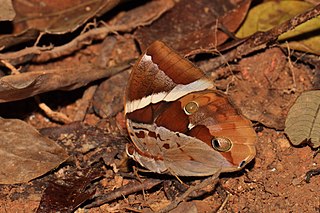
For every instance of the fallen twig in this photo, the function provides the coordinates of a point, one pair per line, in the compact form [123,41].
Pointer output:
[14,71]
[212,180]
[56,116]
[125,23]
[123,191]
[84,103]
[24,85]
[261,40]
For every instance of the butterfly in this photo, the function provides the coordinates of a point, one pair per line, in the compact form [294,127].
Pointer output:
[178,123]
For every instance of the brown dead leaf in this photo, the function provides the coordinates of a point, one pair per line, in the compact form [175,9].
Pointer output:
[192,26]
[7,12]
[55,17]
[25,154]
[66,195]
[60,16]
[142,15]
[90,143]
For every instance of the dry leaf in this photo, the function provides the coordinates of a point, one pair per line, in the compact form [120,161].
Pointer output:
[60,16]
[54,17]
[124,22]
[7,12]
[191,27]
[67,194]
[24,153]
[142,15]
[303,121]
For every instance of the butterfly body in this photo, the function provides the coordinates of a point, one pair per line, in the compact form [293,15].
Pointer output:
[178,123]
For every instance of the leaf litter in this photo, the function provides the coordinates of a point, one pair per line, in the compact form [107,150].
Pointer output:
[263,82]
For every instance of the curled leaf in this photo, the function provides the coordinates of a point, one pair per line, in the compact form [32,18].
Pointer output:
[303,121]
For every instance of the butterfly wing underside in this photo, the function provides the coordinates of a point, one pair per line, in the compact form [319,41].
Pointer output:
[161,84]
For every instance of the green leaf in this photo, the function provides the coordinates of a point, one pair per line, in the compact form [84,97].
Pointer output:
[305,37]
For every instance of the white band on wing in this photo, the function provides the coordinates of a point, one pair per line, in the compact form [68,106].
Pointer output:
[177,92]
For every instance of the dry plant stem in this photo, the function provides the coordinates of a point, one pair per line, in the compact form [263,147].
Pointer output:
[123,191]
[41,34]
[224,203]
[125,24]
[316,152]
[16,56]
[46,53]
[14,71]
[294,84]
[210,180]
[84,103]
[132,209]
[63,79]
[260,40]
[77,43]
[56,116]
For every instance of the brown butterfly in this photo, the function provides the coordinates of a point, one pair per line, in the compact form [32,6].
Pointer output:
[178,123]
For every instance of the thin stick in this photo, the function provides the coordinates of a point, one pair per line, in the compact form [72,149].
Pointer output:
[56,116]
[125,190]
[14,71]
[260,40]
[224,203]
[210,180]
[84,103]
